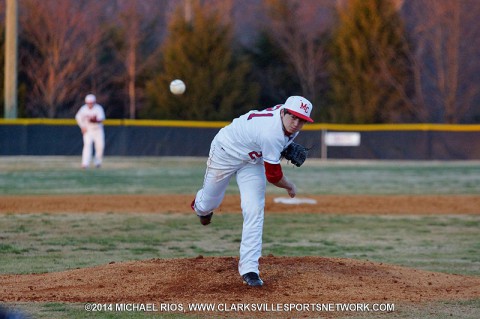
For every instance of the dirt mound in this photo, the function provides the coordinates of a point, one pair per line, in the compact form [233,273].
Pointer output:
[173,285]
[288,280]
[333,204]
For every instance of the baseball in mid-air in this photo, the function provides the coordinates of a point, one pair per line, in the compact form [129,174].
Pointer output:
[177,87]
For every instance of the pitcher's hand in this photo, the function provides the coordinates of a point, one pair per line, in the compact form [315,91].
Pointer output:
[292,191]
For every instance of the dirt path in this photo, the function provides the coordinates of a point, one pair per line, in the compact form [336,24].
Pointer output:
[350,204]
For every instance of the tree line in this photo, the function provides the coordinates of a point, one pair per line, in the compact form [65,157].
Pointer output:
[358,61]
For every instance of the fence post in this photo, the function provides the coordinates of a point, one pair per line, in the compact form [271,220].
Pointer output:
[324,145]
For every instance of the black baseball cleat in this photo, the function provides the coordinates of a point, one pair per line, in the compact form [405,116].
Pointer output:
[252,279]
[204,220]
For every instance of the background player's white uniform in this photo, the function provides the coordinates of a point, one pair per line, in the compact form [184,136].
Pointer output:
[240,149]
[90,120]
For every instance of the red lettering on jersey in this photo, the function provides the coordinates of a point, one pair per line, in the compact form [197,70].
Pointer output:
[252,115]
[276,107]
[254,155]
[304,107]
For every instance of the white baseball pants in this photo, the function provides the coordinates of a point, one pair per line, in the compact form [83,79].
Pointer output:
[251,181]
[93,136]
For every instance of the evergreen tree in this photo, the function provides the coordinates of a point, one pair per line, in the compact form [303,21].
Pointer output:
[199,52]
[368,63]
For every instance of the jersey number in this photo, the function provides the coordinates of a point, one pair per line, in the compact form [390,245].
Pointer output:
[254,155]
[270,109]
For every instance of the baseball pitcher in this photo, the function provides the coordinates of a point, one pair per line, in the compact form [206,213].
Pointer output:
[90,119]
[251,148]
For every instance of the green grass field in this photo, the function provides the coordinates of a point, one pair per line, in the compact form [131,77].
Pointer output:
[34,243]
[154,175]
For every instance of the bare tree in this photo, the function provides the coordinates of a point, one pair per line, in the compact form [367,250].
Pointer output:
[140,26]
[297,27]
[445,57]
[60,57]
[2,55]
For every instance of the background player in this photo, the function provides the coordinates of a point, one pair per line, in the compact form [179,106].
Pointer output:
[90,118]
[250,148]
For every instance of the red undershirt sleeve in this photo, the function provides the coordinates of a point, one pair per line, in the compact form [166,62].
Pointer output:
[273,172]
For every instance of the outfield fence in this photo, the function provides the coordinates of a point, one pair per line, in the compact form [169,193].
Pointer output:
[192,138]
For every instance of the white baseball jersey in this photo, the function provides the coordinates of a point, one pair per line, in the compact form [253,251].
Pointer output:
[91,119]
[256,135]
[85,114]
[242,149]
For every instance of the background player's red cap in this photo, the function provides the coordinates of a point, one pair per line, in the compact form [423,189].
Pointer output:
[300,107]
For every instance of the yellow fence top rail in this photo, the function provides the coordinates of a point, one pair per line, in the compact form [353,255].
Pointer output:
[220,124]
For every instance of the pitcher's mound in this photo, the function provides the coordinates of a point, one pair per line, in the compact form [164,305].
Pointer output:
[288,280]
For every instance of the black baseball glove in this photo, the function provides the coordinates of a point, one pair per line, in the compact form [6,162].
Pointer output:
[295,153]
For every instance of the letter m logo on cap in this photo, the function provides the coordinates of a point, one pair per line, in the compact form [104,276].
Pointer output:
[303,106]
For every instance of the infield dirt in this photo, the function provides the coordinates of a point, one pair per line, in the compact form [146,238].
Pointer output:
[333,204]
[288,280]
